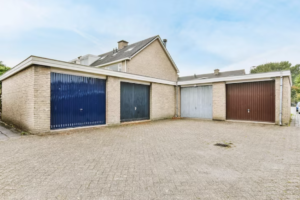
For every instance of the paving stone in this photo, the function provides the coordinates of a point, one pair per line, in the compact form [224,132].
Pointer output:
[169,159]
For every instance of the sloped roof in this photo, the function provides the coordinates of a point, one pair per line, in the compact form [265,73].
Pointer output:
[213,75]
[122,53]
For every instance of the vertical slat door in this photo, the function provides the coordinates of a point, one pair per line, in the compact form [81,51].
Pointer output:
[135,102]
[253,101]
[76,101]
[196,102]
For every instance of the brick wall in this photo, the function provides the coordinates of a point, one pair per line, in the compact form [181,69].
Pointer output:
[219,101]
[26,100]
[42,99]
[286,100]
[162,101]
[18,99]
[153,62]
[113,109]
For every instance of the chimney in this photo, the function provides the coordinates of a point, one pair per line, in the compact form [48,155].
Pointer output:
[165,42]
[216,71]
[78,60]
[122,44]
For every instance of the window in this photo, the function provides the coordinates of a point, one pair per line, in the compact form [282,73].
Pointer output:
[129,49]
[114,67]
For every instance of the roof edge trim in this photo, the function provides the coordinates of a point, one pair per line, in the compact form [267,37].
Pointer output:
[34,60]
[237,78]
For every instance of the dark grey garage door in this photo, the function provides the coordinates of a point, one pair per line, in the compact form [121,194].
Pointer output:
[135,100]
[196,102]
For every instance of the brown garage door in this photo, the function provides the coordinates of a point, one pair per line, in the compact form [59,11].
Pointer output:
[253,101]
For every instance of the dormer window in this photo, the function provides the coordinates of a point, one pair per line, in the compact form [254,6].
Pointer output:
[129,49]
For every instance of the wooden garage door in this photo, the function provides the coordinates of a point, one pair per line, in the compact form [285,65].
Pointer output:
[254,101]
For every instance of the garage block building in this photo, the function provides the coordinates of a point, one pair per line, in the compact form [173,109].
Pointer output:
[135,82]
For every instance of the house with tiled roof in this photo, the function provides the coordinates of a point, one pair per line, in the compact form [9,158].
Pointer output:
[135,82]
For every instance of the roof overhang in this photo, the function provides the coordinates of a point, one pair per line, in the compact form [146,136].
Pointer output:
[34,60]
[246,77]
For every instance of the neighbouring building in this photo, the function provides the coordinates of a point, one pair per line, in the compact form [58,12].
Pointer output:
[135,82]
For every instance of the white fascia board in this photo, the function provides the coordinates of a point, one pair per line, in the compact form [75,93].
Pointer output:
[113,62]
[238,78]
[165,49]
[34,60]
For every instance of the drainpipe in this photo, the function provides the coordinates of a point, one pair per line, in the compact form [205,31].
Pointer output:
[280,116]
[176,94]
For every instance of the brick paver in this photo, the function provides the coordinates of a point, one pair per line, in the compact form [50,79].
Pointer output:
[169,159]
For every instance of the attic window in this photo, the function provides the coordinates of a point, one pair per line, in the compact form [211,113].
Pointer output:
[129,49]
[102,58]
[114,54]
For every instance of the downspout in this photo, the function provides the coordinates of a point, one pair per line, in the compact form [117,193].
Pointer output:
[280,115]
[176,101]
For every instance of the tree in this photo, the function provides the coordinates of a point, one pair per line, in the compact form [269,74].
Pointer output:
[270,67]
[3,68]
[284,65]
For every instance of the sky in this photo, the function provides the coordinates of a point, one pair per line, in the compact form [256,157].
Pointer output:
[202,35]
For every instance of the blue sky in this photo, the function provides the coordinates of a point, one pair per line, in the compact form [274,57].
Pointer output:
[202,35]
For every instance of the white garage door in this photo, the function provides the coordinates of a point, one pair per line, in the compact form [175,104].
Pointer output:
[196,102]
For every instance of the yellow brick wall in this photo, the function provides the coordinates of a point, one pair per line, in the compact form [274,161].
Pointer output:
[113,96]
[286,100]
[152,62]
[162,101]
[42,99]
[18,99]
[219,101]
[26,100]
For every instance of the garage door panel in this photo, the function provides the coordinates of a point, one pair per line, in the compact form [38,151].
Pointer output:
[196,102]
[76,101]
[135,102]
[254,101]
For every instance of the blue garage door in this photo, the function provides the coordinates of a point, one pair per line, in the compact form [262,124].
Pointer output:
[134,102]
[76,101]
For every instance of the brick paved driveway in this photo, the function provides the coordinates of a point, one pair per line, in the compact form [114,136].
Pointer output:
[170,159]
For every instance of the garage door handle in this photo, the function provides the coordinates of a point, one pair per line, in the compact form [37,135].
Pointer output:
[134,108]
[80,109]
[248,110]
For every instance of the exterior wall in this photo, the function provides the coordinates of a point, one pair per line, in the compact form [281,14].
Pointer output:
[153,62]
[42,99]
[113,96]
[286,100]
[219,101]
[26,100]
[162,102]
[18,99]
